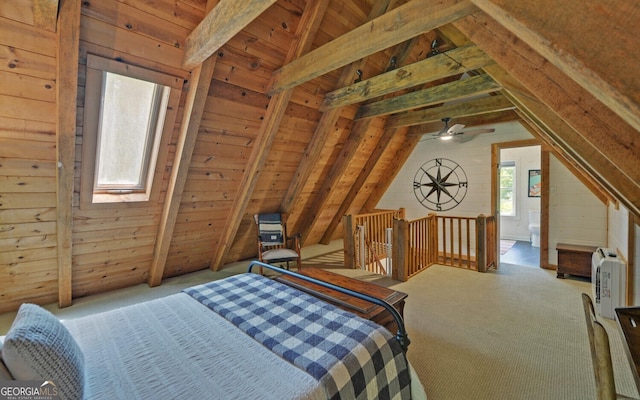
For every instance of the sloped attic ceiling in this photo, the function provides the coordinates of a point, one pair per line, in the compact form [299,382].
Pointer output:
[311,107]
[542,62]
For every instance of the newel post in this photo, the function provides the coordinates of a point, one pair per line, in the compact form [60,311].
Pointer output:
[400,250]
[349,242]
[481,243]
[434,241]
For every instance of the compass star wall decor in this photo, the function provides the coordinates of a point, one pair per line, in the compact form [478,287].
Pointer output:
[440,184]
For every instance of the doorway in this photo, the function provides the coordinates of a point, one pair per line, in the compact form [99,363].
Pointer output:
[518,192]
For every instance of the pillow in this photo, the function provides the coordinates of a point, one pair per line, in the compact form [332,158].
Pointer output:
[39,347]
[5,375]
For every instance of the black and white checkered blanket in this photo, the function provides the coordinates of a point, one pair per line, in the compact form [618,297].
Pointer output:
[351,357]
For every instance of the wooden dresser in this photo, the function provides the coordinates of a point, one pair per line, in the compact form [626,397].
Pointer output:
[574,259]
[359,307]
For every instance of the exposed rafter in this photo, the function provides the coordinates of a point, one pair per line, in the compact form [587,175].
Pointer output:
[401,24]
[454,62]
[324,128]
[356,137]
[605,143]
[66,97]
[560,35]
[308,26]
[538,130]
[222,23]
[456,90]
[482,105]
[491,118]
[400,157]
[381,148]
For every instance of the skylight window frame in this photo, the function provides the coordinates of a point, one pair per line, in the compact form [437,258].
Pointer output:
[109,197]
[153,135]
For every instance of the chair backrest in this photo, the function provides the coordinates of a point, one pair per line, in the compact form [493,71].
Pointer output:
[271,229]
[600,352]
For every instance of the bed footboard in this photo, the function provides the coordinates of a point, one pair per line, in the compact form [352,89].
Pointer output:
[401,335]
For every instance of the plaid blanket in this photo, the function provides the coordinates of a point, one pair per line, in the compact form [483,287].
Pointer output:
[351,357]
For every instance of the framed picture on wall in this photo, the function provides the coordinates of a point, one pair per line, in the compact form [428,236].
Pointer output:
[535,183]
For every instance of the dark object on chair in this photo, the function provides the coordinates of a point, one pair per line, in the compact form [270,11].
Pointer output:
[600,354]
[274,245]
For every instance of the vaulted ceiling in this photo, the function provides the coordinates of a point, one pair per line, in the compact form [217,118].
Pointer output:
[345,90]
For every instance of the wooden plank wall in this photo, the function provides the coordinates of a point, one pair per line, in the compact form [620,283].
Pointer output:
[233,114]
[28,264]
[113,245]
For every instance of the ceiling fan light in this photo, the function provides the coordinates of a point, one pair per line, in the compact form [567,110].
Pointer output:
[446,137]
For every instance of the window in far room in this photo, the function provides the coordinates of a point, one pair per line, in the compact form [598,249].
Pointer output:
[508,188]
[129,112]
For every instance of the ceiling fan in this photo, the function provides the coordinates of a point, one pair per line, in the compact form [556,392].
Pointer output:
[448,133]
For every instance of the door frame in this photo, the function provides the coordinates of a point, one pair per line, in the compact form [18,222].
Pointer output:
[544,198]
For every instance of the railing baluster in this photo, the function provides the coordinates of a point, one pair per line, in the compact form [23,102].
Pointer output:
[446,240]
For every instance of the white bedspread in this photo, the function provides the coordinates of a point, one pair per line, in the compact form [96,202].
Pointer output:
[184,351]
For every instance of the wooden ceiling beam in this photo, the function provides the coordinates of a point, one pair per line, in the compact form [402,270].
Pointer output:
[539,132]
[325,126]
[401,157]
[66,102]
[365,172]
[453,62]
[456,90]
[192,117]
[196,100]
[531,122]
[222,23]
[578,149]
[479,106]
[397,26]
[561,34]
[605,142]
[357,136]
[469,121]
[307,28]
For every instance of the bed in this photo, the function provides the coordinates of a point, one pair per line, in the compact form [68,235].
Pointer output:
[243,337]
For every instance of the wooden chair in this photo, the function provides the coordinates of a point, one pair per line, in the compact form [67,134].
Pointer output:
[274,245]
[600,354]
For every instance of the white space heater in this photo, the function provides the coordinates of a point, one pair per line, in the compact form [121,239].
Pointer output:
[608,282]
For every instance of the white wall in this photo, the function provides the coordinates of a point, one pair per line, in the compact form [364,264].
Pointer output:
[617,237]
[517,227]
[473,156]
[576,216]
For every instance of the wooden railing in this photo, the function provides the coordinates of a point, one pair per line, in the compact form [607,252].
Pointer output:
[487,232]
[461,242]
[367,239]
[413,244]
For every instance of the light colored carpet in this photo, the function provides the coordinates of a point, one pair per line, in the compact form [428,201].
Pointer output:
[515,333]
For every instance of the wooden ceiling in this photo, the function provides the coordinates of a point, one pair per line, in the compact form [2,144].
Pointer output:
[346,88]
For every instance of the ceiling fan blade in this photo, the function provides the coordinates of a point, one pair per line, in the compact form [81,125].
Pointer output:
[455,129]
[478,131]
